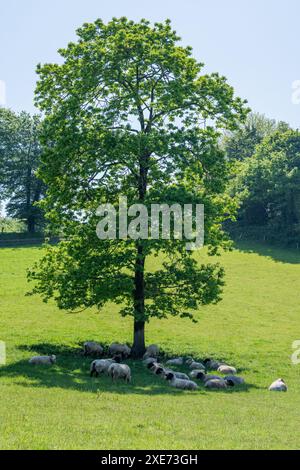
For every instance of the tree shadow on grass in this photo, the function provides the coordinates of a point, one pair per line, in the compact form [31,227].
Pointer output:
[71,372]
[282,255]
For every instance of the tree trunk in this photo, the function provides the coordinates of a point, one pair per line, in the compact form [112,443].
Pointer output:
[138,347]
[31,224]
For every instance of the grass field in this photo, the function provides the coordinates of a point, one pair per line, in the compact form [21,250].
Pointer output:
[63,408]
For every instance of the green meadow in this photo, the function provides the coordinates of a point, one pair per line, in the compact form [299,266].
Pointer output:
[61,407]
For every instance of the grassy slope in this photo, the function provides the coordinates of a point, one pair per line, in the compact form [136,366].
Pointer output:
[253,328]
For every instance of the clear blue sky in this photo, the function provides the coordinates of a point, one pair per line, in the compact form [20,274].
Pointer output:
[255,43]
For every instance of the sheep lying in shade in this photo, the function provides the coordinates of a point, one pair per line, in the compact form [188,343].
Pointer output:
[225,369]
[151,351]
[155,368]
[119,371]
[176,361]
[278,386]
[211,364]
[181,383]
[149,360]
[178,375]
[195,365]
[90,348]
[196,373]
[117,348]
[236,380]
[159,369]
[200,375]
[43,360]
[218,384]
[100,366]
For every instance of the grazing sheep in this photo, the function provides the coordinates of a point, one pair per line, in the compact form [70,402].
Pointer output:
[236,380]
[195,365]
[100,366]
[117,348]
[119,371]
[212,364]
[181,383]
[278,386]
[90,348]
[151,351]
[225,369]
[43,360]
[177,361]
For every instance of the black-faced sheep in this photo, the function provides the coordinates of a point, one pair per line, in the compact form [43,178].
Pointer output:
[195,365]
[149,360]
[236,380]
[218,384]
[43,360]
[181,383]
[200,375]
[211,364]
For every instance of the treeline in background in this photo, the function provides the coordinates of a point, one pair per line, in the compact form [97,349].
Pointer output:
[264,157]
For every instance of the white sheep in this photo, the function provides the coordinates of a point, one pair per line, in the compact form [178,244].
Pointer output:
[176,361]
[181,383]
[90,348]
[225,369]
[43,360]
[151,351]
[100,366]
[236,380]
[278,386]
[117,348]
[119,371]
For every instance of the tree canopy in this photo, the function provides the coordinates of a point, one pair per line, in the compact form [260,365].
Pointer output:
[268,185]
[130,112]
[19,159]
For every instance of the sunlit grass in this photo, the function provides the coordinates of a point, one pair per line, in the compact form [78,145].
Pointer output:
[63,408]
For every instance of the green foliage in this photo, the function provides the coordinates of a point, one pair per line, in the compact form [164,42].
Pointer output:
[19,160]
[268,185]
[241,143]
[125,115]
[8,225]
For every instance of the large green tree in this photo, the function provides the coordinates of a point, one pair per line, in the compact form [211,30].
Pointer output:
[127,113]
[19,159]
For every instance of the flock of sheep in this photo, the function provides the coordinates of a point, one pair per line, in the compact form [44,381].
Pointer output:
[197,370]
